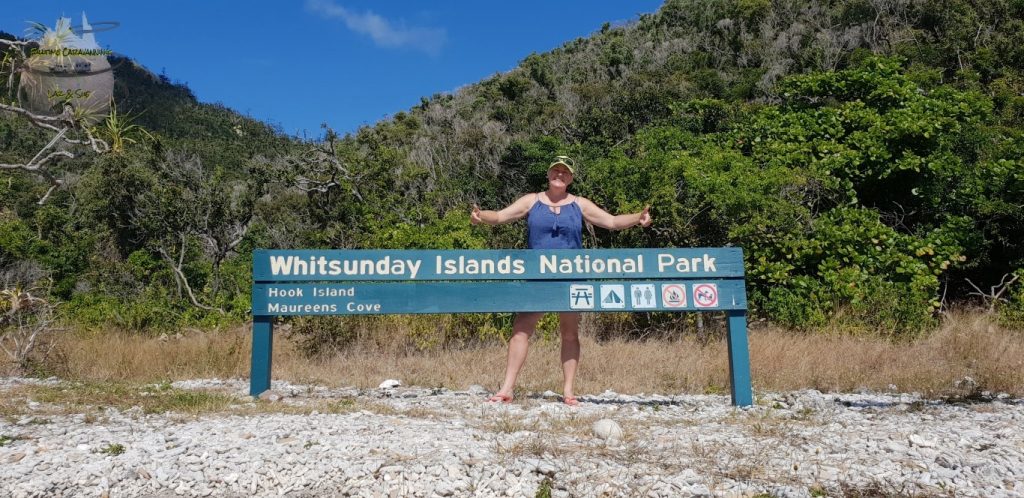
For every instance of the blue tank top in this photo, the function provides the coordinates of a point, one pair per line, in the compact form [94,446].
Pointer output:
[547,230]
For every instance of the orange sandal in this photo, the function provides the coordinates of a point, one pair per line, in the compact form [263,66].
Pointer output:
[570,400]
[500,398]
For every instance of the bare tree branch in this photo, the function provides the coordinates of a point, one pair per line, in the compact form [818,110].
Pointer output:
[179,276]
[40,121]
[995,293]
[60,124]
[320,169]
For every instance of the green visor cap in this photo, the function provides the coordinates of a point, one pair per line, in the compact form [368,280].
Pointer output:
[564,161]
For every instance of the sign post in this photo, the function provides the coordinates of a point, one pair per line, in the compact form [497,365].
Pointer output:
[379,282]
[262,347]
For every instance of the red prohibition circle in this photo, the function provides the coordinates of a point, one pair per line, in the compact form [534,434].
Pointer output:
[681,302]
[698,292]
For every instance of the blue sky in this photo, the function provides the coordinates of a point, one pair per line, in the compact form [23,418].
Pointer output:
[348,63]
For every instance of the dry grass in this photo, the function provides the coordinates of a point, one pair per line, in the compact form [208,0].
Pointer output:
[93,398]
[965,345]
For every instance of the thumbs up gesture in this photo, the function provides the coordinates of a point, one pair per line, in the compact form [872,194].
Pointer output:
[645,217]
[474,216]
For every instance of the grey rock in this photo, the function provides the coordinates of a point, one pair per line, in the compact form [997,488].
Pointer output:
[918,440]
[546,468]
[444,489]
[389,384]
[607,429]
[789,492]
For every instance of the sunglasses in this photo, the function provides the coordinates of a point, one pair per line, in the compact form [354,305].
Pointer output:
[565,159]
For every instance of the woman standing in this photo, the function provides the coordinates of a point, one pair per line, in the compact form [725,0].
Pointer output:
[554,220]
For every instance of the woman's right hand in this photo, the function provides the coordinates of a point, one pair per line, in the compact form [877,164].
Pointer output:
[474,216]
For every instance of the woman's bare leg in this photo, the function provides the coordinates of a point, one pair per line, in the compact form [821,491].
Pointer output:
[522,328]
[569,325]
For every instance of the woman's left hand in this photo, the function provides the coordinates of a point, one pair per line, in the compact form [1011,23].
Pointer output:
[645,217]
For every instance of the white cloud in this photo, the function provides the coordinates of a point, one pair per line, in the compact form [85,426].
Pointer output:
[382,31]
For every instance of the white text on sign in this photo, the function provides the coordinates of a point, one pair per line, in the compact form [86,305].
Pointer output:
[685,265]
[410,268]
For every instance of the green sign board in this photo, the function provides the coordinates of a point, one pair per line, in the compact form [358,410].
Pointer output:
[378,282]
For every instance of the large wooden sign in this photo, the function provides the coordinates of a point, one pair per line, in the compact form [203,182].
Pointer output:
[377,282]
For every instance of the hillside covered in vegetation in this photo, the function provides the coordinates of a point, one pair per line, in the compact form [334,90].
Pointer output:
[868,155]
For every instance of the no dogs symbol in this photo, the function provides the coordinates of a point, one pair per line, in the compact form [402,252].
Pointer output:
[705,295]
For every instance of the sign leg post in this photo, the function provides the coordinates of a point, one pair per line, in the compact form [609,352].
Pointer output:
[739,360]
[262,349]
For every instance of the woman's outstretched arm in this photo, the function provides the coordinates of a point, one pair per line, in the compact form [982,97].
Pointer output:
[516,211]
[597,216]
